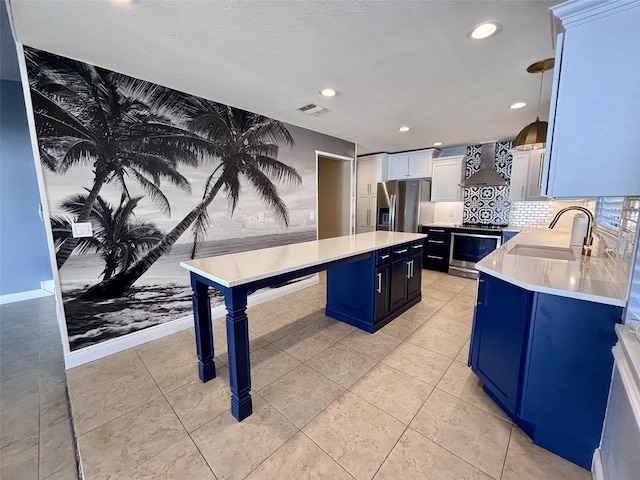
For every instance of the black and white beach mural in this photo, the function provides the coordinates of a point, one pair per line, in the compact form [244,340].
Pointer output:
[162,176]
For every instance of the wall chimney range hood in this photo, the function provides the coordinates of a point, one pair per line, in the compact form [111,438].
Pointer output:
[487,175]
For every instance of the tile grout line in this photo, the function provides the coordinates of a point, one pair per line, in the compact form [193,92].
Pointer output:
[506,453]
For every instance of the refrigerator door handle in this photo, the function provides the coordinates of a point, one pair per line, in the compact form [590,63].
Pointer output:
[392,216]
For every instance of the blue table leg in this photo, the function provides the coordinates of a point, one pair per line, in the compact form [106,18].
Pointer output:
[235,300]
[204,329]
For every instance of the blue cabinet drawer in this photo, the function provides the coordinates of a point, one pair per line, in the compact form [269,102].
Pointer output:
[416,247]
[383,256]
[400,251]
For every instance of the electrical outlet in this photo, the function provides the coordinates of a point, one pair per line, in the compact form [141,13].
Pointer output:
[312,215]
[82,229]
[261,217]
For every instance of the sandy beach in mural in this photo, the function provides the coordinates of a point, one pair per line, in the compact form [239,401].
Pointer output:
[162,294]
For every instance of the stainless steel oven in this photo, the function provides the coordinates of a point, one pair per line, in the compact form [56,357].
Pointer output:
[468,248]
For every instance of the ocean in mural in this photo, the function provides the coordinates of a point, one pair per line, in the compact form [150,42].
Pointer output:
[162,176]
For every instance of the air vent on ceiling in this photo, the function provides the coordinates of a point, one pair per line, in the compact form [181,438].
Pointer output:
[313,109]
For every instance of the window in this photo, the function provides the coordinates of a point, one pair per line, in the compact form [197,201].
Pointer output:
[609,212]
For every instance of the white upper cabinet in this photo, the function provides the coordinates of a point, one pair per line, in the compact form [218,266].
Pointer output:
[447,174]
[408,165]
[370,170]
[526,176]
[593,141]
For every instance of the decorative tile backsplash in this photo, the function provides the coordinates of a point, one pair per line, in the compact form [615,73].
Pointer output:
[488,204]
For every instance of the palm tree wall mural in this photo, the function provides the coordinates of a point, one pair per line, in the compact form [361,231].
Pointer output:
[163,176]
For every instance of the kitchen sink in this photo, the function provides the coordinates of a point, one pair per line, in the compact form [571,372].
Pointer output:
[541,251]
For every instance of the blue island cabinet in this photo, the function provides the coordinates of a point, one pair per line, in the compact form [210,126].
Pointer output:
[370,293]
[547,361]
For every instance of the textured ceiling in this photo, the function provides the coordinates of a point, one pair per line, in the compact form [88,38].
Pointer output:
[393,62]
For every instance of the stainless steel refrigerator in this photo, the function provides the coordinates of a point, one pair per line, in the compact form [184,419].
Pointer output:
[402,205]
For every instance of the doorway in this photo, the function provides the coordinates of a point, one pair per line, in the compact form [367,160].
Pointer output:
[334,195]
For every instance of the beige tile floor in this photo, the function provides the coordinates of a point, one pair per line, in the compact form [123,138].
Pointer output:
[329,402]
[36,437]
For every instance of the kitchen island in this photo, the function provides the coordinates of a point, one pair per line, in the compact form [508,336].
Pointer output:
[372,278]
[543,329]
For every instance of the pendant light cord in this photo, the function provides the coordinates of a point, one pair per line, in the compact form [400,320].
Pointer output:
[540,93]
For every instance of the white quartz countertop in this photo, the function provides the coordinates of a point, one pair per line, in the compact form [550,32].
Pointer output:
[585,278]
[245,267]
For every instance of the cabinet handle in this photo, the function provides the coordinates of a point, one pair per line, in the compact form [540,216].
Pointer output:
[478,302]
[408,269]
[416,246]
[438,230]
[435,241]
[435,257]
[540,173]
[401,251]
[383,257]
[380,283]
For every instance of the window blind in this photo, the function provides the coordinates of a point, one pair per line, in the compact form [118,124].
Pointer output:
[609,212]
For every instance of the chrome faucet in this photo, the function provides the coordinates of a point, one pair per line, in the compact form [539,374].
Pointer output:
[588,239]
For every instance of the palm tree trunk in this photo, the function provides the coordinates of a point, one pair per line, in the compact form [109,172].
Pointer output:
[119,283]
[69,244]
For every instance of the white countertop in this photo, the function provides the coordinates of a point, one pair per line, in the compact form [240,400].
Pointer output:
[585,278]
[245,267]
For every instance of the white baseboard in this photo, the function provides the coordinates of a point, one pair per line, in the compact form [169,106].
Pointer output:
[597,472]
[109,347]
[48,286]
[21,296]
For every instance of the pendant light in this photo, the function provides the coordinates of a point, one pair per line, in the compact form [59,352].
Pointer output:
[534,135]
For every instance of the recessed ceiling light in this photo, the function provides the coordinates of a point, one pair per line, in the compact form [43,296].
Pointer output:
[124,3]
[437,144]
[484,30]
[517,105]
[404,129]
[328,92]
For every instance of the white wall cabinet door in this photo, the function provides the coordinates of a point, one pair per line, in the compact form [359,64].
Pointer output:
[364,176]
[534,176]
[370,170]
[447,174]
[398,166]
[519,174]
[526,176]
[417,164]
[593,141]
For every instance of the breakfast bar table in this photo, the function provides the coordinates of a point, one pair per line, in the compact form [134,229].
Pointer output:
[371,280]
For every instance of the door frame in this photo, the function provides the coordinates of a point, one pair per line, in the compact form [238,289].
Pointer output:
[352,187]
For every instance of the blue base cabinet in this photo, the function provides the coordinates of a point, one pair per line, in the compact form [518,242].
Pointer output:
[547,362]
[436,245]
[370,293]
[498,341]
